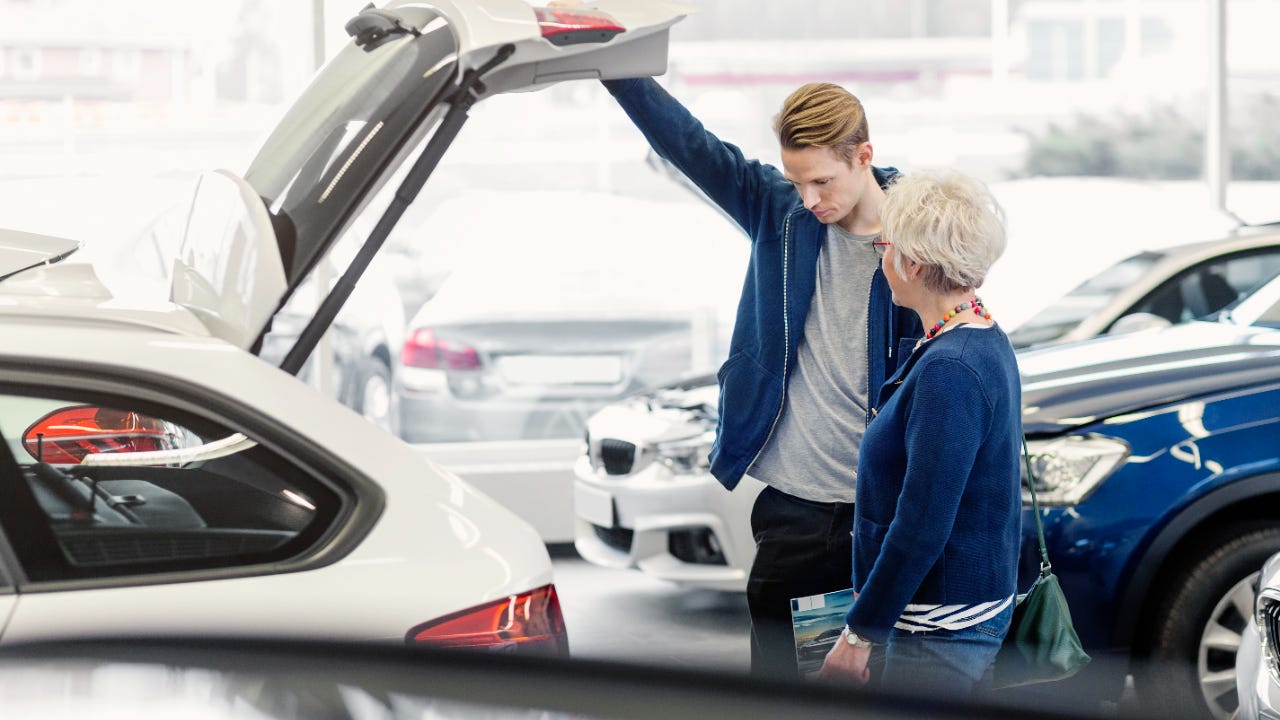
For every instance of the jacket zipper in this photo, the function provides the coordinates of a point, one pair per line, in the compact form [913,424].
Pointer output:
[786,336]
[866,343]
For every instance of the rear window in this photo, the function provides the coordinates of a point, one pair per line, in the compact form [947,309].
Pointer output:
[97,486]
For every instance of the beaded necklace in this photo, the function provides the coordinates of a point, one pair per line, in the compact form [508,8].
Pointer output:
[974,304]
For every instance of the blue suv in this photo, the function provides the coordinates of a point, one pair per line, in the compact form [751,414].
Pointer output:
[1157,458]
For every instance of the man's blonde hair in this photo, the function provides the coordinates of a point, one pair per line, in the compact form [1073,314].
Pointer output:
[822,115]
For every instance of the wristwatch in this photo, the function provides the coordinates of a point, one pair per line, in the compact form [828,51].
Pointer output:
[854,638]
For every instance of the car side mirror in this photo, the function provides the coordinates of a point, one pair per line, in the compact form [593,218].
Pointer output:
[1137,322]
[67,435]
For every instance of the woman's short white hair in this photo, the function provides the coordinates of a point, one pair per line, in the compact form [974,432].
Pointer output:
[946,221]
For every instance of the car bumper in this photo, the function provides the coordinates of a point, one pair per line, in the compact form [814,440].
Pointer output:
[1259,693]
[436,415]
[685,529]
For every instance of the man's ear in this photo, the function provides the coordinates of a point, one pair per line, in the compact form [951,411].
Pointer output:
[863,154]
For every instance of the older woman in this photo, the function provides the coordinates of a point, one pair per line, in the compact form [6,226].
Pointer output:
[938,504]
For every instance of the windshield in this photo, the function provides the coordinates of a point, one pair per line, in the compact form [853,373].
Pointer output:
[1087,298]
[337,140]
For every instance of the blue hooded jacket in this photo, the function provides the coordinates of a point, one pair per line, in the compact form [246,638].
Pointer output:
[781,276]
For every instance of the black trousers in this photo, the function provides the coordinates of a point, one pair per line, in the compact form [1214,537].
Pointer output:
[802,548]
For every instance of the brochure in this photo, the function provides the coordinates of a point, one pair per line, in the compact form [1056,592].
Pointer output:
[817,621]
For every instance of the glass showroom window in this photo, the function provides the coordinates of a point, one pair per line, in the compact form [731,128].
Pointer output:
[97,487]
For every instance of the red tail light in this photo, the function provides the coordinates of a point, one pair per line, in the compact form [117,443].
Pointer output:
[424,350]
[563,26]
[66,436]
[530,622]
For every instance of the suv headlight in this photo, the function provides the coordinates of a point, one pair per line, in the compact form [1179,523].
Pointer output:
[687,456]
[1068,469]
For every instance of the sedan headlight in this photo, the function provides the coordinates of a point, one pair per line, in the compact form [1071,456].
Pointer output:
[687,456]
[1068,469]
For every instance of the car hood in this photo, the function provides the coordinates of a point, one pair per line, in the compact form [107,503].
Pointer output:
[23,250]
[1068,386]
[1063,386]
[250,241]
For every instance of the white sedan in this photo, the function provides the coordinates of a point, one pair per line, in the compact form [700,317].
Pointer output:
[158,477]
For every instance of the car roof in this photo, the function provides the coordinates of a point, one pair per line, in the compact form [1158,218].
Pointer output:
[1245,237]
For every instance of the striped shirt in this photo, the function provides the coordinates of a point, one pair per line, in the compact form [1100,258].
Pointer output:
[926,618]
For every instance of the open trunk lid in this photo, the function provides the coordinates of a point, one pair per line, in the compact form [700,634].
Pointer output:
[409,75]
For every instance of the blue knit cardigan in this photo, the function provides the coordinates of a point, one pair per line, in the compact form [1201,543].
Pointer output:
[938,514]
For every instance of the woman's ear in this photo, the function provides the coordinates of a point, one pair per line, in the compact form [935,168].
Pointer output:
[913,268]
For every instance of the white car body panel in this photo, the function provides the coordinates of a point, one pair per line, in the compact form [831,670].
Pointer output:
[531,477]
[441,545]
[74,294]
[228,270]
[21,250]
[655,501]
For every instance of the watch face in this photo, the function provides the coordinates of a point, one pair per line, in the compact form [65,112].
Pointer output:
[854,639]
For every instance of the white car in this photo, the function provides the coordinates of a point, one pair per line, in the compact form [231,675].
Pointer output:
[1158,288]
[158,477]
[644,497]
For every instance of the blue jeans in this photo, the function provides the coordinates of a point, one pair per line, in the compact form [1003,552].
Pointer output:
[952,662]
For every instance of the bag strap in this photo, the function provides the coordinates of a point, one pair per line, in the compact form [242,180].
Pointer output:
[1045,566]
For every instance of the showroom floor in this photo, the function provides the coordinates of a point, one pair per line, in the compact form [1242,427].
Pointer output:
[626,615]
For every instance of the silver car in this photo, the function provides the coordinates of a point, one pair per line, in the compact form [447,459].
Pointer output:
[1158,288]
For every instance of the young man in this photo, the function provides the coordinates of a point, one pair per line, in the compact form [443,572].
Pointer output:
[815,337]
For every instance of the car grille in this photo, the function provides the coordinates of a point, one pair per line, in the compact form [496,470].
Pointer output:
[617,456]
[618,538]
[1269,622]
[697,546]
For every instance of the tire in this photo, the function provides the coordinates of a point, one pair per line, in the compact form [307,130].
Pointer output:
[1195,631]
[372,394]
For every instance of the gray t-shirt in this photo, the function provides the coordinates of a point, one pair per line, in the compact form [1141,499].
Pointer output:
[813,451]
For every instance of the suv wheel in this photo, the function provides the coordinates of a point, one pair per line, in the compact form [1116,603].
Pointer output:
[1195,632]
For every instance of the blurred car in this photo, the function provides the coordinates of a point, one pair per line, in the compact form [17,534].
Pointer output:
[157,476]
[533,330]
[1155,457]
[1258,660]
[529,331]
[1158,288]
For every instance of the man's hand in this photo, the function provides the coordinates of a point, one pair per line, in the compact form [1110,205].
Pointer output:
[846,663]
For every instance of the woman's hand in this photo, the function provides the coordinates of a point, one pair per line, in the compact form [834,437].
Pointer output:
[846,663]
